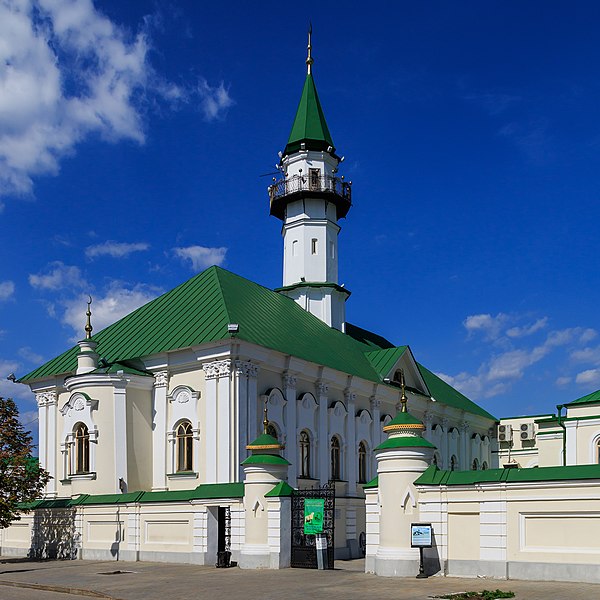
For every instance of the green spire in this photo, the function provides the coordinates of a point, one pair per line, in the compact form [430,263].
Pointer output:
[309,125]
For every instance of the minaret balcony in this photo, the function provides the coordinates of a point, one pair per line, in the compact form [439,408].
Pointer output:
[325,187]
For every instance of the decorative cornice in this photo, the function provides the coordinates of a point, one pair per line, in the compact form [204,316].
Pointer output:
[77,402]
[46,398]
[217,368]
[322,388]
[375,402]
[183,394]
[289,380]
[464,426]
[247,369]
[349,396]
[161,379]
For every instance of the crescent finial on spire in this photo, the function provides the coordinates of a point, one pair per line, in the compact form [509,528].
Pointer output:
[88,325]
[309,58]
[403,398]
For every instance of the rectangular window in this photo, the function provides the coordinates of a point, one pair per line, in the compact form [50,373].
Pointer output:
[313,246]
[314,179]
[332,249]
[295,248]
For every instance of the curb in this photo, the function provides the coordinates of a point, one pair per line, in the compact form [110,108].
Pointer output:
[56,588]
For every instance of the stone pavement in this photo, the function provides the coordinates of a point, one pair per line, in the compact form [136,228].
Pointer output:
[68,580]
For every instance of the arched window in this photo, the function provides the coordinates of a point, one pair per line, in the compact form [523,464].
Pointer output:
[335,458]
[82,448]
[475,465]
[362,463]
[184,440]
[304,454]
[272,431]
[484,466]
[453,463]
[436,459]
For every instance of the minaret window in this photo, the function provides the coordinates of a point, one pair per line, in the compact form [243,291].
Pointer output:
[82,449]
[304,454]
[185,437]
[332,249]
[295,248]
[313,246]
[362,463]
[335,458]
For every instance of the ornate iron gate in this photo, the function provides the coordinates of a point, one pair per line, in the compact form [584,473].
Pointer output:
[304,552]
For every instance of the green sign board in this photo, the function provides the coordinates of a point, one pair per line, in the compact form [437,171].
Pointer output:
[314,509]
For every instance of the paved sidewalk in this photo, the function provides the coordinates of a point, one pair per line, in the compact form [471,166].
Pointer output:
[153,581]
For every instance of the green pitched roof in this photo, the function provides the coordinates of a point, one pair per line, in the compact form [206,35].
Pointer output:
[405,441]
[434,476]
[404,418]
[384,360]
[444,392]
[282,489]
[589,399]
[265,459]
[264,439]
[309,125]
[199,310]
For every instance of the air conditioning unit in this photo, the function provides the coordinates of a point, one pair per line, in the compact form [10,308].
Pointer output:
[527,431]
[504,433]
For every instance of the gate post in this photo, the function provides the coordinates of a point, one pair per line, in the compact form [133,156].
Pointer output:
[265,472]
[400,460]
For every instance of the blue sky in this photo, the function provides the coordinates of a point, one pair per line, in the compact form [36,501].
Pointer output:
[134,138]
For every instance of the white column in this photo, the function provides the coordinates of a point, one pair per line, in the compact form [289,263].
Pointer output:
[291,446]
[240,392]
[465,461]
[252,403]
[42,426]
[225,432]
[351,444]
[571,445]
[210,430]
[376,431]
[52,449]
[446,444]
[120,433]
[323,449]
[159,431]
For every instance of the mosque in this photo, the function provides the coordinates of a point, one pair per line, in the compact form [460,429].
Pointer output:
[189,426]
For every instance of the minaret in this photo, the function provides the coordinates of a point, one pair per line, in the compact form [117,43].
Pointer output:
[309,200]
[87,359]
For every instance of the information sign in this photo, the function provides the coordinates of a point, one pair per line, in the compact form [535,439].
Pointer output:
[420,535]
[314,509]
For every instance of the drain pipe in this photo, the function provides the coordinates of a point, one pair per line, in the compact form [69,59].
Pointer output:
[559,408]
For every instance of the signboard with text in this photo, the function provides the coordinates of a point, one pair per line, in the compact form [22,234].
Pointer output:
[314,509]
[421,535]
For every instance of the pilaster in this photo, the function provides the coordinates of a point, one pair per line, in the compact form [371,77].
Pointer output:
[120,434]
[159,431]
[322,390]
[352,453]
[446,442]
[464,446]
[291,450]
[376,431]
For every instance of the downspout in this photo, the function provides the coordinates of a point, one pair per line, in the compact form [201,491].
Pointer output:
[559,408]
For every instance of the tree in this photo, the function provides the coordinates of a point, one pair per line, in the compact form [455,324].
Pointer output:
[21,477]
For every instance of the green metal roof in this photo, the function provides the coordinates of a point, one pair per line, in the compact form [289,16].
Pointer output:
[405,441]
[282,489]
[589,399]
[265,439]
[434,476]
[265,459]
[199,310]
[309,125]
[384,360]
[444,392]
[404,418]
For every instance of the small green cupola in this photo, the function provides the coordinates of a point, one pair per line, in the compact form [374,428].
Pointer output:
[265,448]
[310,127]
[404,430]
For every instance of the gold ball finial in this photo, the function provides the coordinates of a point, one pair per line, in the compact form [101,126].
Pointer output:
[403,398]
[309,58]
[88,325]
[266,418]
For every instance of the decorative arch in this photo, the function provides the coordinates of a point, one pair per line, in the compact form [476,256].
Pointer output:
[307,412]
[305,454]
[78,413]
[363,421]
[183,432]
[595,449]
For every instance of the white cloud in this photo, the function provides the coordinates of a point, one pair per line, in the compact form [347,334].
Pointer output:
[491,327]
[214,101]
[7,289]
[115,249]
[8,389]
[68,72]
[59,276]
[201,257]
[587,355]
[119,300]
[562,381]
[589,377]
[517,332]
[30,356]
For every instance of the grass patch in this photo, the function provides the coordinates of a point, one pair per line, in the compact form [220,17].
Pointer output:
[484,595]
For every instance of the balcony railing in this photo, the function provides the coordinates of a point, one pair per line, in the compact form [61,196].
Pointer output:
[311,183]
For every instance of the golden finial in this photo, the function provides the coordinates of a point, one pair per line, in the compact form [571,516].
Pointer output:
[403,398]
[88,325]
[266,419]
[309,58]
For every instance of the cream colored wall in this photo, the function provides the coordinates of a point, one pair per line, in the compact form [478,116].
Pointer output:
[16,539]
[550,449]
[105,459]
[583,410]
[463,532]
[166,528]
[139,439]
[105,528]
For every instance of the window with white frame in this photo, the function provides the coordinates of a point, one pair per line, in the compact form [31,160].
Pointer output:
[81,460]
[185,443]
[336,458]
[362,463]
[304,444]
